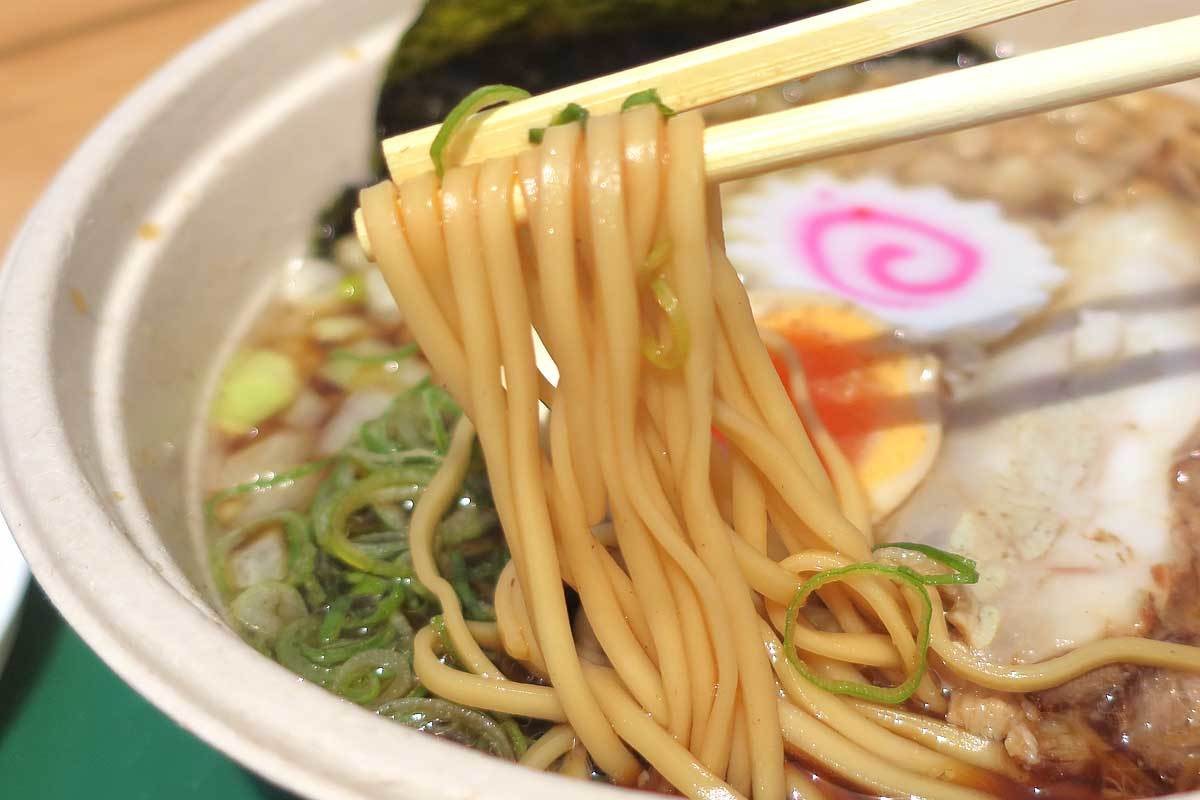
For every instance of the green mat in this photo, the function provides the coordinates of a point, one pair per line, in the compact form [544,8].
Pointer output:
[69,728]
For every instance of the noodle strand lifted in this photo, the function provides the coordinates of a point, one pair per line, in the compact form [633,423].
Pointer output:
[679,489]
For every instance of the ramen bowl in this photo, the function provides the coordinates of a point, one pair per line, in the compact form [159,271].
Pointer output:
[119,299]
[14,577]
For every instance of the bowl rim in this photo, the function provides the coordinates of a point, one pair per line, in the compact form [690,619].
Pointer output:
[313,762]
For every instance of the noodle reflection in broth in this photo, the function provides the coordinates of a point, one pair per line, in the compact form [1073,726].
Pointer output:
[678,492]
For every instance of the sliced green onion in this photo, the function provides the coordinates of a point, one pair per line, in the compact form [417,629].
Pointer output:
[289,653]
[572,112]
[334,620]
[647,97]
[672,353]
[478,100]
[436,403]
[451,721]
[375,436]
[964,571]
[341,476]
[271,480]
[374,676]
[366,366]
[889,695]
[301,555]
[656,260]
[459,578]
[418,601]
[385,606]
[487,570]
[438,623]
[364,585]
[465,524]
[262,611]
[372,461]
[353,288]
[384,545]
[337,651]
[416,421]
[353,545]
[403,629]
[331,522]
[520,742]
[256,385]
[392,516]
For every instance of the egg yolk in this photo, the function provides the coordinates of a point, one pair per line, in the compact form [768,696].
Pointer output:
[844,393]
[876,398]
[853,387]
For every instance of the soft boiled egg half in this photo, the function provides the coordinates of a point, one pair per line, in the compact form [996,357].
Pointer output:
[837,269]
[875,395]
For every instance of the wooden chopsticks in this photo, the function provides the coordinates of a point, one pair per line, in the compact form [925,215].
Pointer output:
[1048,79]
[845,36]
[1053,78]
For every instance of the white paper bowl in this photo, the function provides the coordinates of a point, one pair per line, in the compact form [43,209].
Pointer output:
[109,338]
[14,577]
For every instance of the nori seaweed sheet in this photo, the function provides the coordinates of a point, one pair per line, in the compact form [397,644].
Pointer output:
[456,46]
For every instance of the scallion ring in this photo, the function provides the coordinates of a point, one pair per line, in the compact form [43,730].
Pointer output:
[379,675]
[964,569]
[261,611]
[672,353]
[289,653]
[442,718]
[301,555]
[332,521]
[647,97]
[572,112]
[482,98]
[888,695]
[273,480]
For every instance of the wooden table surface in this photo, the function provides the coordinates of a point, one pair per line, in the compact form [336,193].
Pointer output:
[64,64]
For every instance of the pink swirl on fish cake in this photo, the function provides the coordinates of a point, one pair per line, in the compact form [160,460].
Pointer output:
[887,259]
